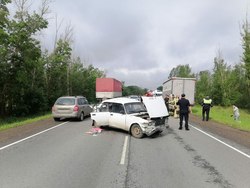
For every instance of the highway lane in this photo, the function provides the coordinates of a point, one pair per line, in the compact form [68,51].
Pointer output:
[181,158]
[66,156]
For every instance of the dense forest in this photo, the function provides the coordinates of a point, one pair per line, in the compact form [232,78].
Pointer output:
[31,79]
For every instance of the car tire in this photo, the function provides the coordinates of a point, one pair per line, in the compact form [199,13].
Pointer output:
[56,119]
[81,117]
[136,131]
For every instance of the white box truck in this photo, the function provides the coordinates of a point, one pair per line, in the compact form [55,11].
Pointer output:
[179,85]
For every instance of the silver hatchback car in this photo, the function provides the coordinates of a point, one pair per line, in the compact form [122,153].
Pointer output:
[71,107]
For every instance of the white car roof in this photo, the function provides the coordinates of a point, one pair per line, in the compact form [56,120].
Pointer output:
[122,100]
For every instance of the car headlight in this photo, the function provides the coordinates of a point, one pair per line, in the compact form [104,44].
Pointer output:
[148,123]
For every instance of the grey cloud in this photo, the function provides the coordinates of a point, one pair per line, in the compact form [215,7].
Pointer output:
[139,42]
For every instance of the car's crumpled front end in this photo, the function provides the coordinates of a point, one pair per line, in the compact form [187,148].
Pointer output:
[156,119]
[150,126]
[153,126]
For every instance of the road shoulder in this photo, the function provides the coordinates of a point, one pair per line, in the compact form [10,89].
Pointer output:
[238,136]
[11,135]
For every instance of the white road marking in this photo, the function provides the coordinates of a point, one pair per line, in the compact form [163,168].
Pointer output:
[14,143]
[235,149]
[124,150]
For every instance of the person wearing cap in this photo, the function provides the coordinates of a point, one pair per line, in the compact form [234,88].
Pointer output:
[206,105]
[184,106]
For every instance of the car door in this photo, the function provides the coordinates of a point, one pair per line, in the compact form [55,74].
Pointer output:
[102,116]
[117,116]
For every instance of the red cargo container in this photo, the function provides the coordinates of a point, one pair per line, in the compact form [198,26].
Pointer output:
[108,88]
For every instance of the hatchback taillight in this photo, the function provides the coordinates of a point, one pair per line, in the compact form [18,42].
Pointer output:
[76,108]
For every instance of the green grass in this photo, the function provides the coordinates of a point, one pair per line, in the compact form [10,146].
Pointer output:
[15,122]
[223,115]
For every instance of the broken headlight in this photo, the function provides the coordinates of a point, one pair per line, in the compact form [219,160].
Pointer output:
[148,123]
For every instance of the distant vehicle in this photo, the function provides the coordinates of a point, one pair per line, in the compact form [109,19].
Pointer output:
[71,107]
[137,97]
[107,88]
[157,93]
[133,116]
[177,86]
[149,93]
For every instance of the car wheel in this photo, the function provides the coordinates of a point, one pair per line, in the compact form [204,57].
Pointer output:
[57,119]
[136,131]
[81,118]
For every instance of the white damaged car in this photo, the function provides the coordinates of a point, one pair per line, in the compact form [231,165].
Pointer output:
[138,118]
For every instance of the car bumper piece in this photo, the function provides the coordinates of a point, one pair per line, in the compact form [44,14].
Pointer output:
[153,129]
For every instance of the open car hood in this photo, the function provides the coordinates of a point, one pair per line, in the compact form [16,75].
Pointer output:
[155,106]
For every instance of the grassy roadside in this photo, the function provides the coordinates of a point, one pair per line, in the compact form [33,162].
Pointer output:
[223,115]
[15,122]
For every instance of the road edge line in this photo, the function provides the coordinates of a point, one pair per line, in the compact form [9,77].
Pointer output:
[218,140]
[14,143]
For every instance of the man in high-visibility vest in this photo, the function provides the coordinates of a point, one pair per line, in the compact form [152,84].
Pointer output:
[206,105]
[176,107]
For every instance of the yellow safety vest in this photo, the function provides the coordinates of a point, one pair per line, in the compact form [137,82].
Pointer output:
[207,101]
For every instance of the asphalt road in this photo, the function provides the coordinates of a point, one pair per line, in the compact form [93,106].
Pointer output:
[66,156]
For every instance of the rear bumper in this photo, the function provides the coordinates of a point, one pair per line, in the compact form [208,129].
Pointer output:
[71,115]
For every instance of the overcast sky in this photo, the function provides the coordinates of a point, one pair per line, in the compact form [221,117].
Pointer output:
[141,41]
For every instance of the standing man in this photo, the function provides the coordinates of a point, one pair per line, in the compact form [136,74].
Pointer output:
[206,105]
[184,106]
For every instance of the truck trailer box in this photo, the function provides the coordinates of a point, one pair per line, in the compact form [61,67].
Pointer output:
[178,86]
[108,88]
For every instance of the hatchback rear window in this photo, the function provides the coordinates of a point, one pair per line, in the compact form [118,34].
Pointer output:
[65,101]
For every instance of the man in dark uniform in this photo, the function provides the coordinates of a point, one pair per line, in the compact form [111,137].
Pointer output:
[206,105]
[184,106]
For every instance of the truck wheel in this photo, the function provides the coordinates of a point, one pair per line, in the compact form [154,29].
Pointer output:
[81,118]
[136,131]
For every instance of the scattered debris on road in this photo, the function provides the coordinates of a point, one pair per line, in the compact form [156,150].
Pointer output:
[94,131]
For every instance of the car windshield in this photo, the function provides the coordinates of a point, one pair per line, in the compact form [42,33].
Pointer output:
[135,107]
[65,101]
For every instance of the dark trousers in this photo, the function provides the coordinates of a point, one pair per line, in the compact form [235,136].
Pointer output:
[205,114]
[185,117]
